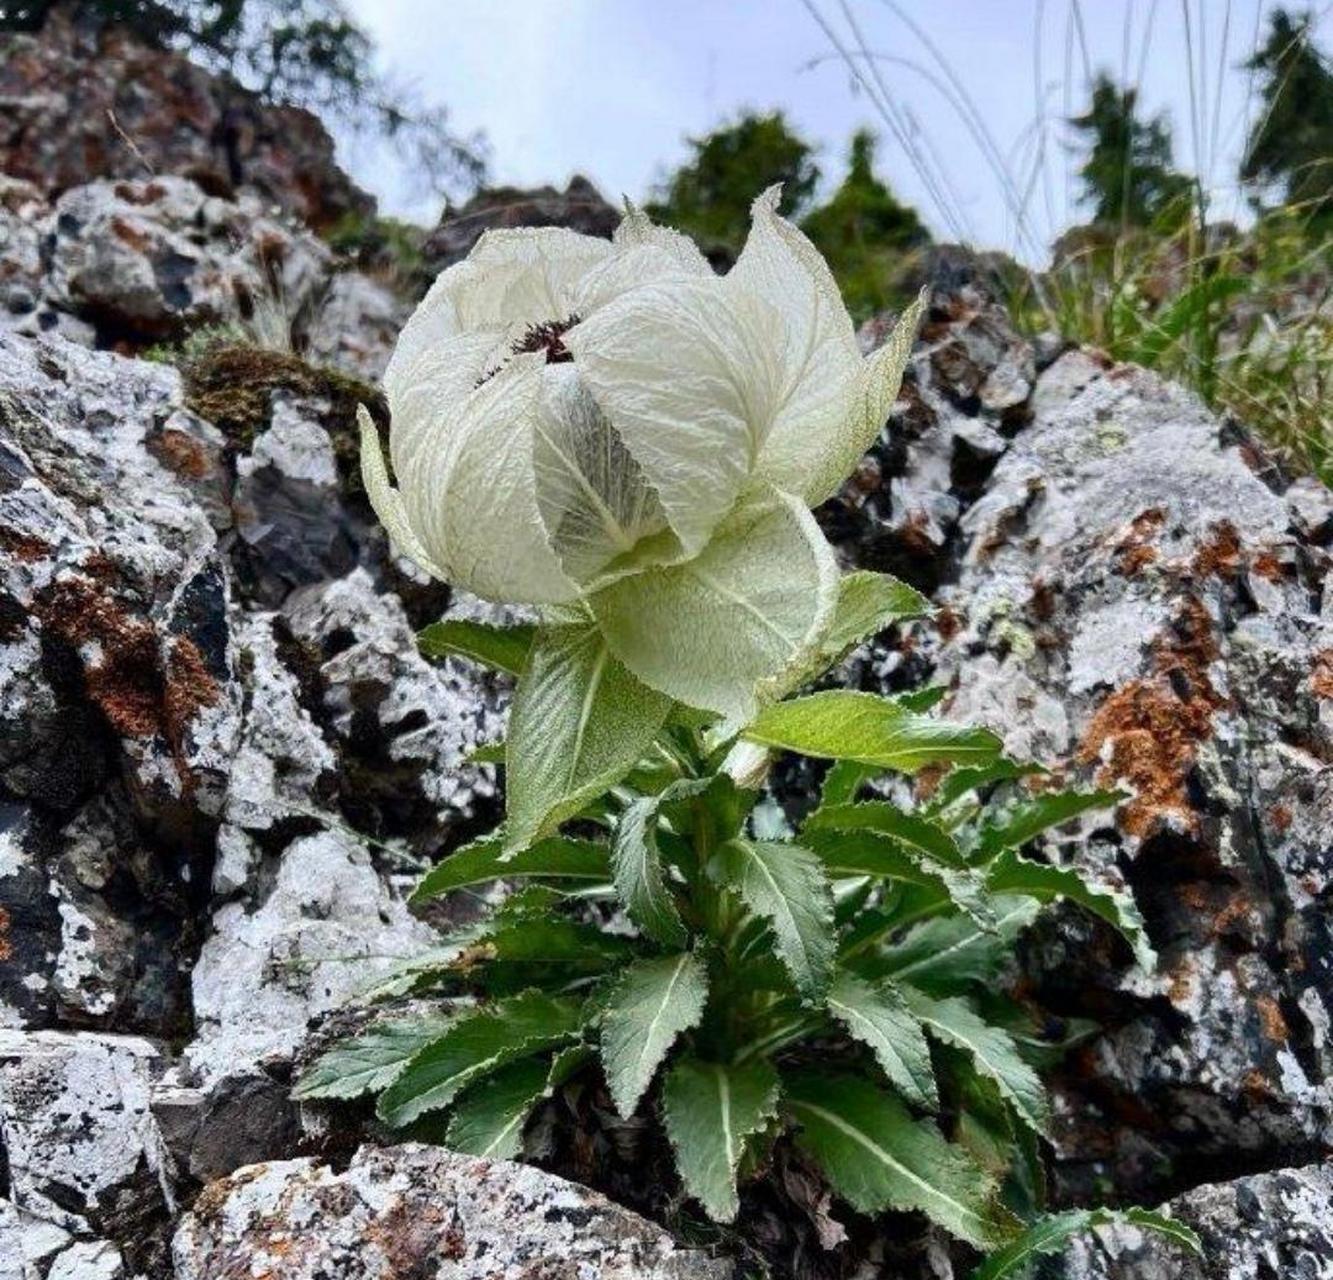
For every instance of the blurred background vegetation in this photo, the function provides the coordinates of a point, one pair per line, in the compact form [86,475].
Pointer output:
[1240,311]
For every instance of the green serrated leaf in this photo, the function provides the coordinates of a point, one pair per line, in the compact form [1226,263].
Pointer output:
[555,858]
[867,603]
[501,648]
[841,724]
[959,782]
[1029,820]
[953,1021]
[946,954]
[1049,1234]
[649,1006]
[640,877]
[879,1018]
[785,884]
[486,753]
[1011,873]
[474,1046]
[844,780]
[370,1061]
[488,1119]
[710,1111]
[915,832]
[580,721]
[877,1157]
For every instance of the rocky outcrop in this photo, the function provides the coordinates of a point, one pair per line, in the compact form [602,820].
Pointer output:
[579,207]
[84,101]
[222,759]
[421,1211]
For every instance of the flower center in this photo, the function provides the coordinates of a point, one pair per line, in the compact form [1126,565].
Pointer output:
[548,337]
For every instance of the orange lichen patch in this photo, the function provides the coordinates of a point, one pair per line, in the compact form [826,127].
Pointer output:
[1147,732]
[1321,680]
[927,780]
[1271,1020]
[1267,565]
[125,673]
[23,546]
[1218,555]
[1042,601]
[1255,1084]
[6,947]
[182,453]
[947,623]
[1135,549]
[126,232]
[1280,816]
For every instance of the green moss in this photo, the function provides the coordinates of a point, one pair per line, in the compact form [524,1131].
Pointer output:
[232,387]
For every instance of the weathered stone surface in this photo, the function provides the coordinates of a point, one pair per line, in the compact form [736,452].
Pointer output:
[421,1211]
[1256,1228]
[76,93]
[580,207]
[83,1153]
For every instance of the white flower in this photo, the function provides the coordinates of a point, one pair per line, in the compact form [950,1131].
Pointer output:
[611,426]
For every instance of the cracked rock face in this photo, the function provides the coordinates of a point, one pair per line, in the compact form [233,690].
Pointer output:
[421,1211]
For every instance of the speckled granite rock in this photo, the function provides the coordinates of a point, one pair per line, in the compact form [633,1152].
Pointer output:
[423,1212]
[1257,1228]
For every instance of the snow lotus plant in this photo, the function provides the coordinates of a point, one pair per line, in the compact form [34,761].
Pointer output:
[629,444]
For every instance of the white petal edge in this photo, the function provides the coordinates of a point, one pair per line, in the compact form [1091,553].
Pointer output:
[726,631]
[820,360]
[386,501]
[473,498]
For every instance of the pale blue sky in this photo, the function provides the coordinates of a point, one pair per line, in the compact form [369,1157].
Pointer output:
[610,88]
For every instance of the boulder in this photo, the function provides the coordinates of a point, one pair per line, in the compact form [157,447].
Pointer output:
[421,1211]
[86,100]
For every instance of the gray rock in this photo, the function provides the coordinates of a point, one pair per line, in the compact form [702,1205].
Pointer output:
[1255,1228]
[421,1211]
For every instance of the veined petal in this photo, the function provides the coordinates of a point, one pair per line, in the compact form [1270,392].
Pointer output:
[473,497]
[721,632]
[386,500]
[593,496]
[637,228]
[631,266]
[685,370]
[820,361]
[428,388]
[524,276]
[513,278]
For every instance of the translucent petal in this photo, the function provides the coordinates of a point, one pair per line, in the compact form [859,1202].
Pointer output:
[820,361]
[593,496]
[632,265]
[386,500]
[513,278]
[428,388]
[722,631]
[685,370]
[525,276]
[473,497]
[637,228]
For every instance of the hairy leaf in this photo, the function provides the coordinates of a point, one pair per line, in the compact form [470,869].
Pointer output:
[1010,873]
[844,781]
[993,1053]
[488,1119]
[649,1006]
[867,603]
[370,1061]
[917,833]
[501,648]
[946,954]
[710,1110]
[473,1047]
[841,724]
[879,1018]
[1045,811]
[555,858]
[877,1157]
[579,723]
[640,878]
[785,885]
[1049,1234]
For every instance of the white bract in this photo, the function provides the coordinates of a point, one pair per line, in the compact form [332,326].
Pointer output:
[611,432]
